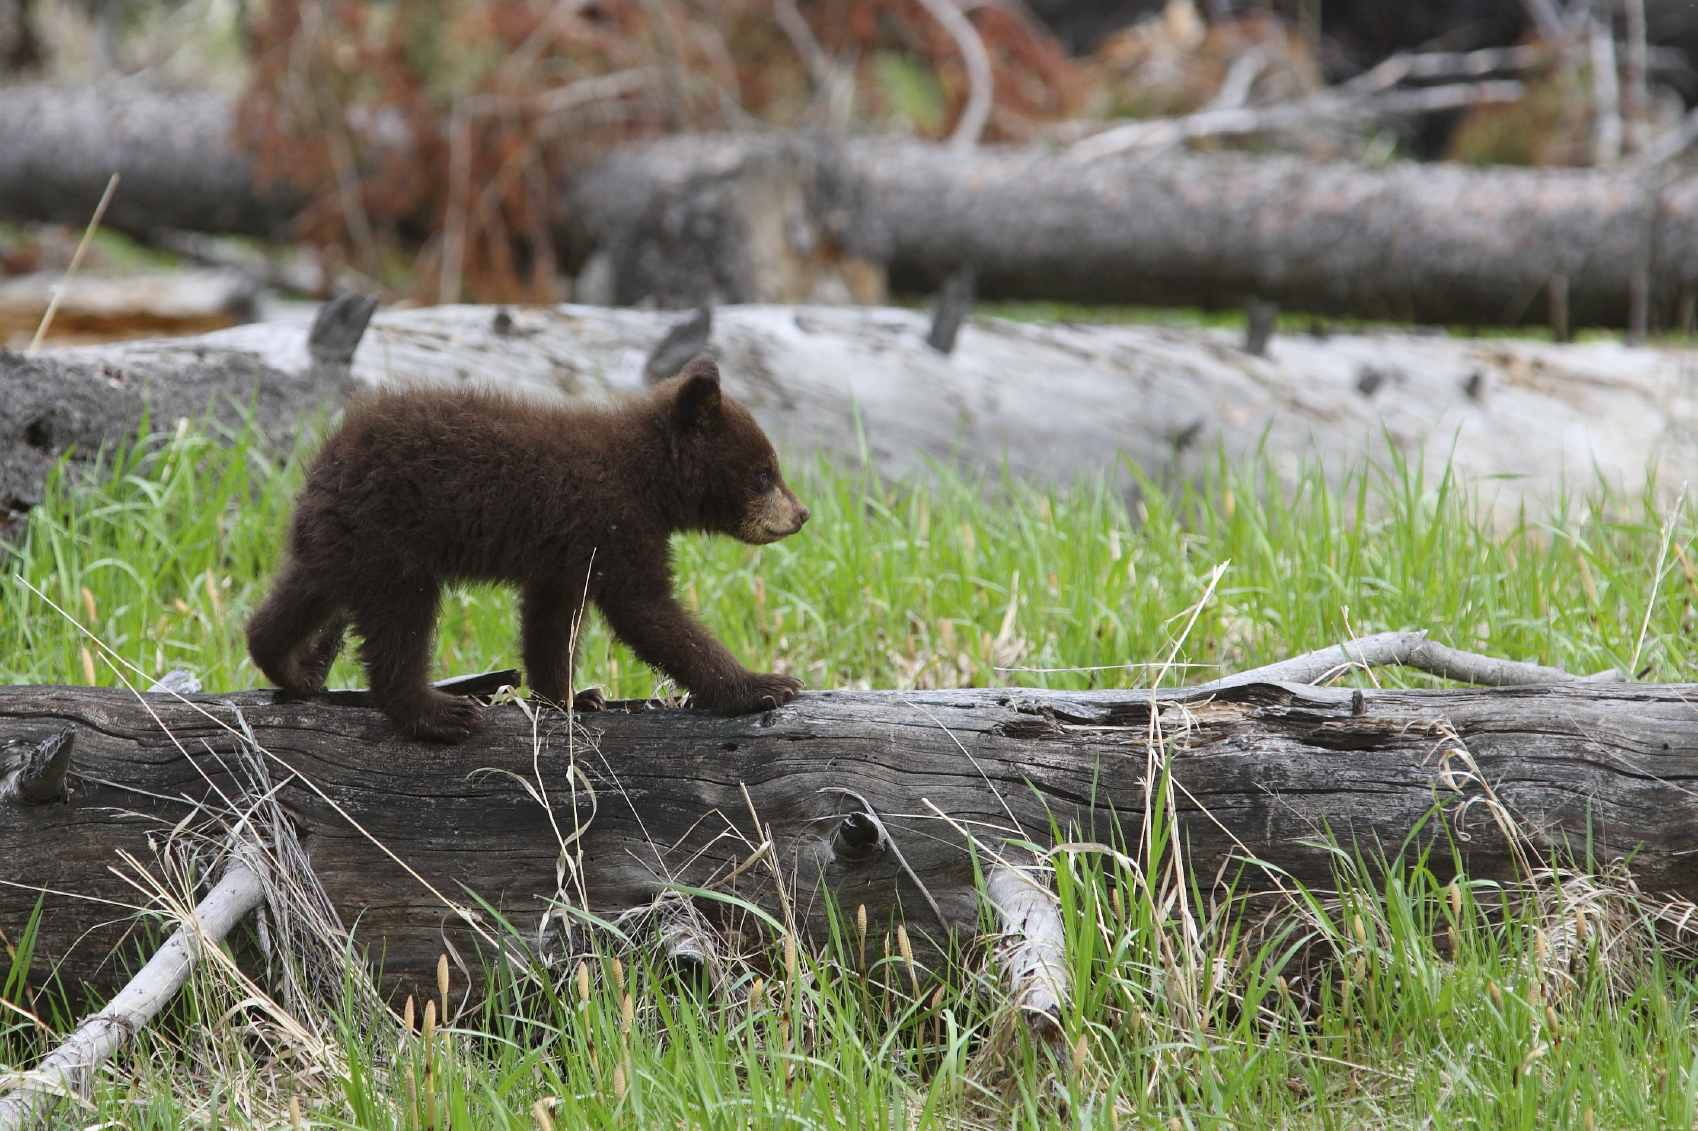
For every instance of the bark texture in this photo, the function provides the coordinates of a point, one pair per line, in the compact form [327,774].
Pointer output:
[1264,770]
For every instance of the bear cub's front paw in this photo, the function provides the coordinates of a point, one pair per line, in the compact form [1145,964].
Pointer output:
[760,691]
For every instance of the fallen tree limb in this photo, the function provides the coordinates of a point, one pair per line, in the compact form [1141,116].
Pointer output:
[866,795]
[1408,649]
[71,1067]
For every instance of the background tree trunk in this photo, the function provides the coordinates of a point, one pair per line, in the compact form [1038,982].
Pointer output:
[1262,770]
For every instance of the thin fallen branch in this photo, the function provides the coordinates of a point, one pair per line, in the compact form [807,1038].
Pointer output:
[1429,65]
[1410,650]
[70,1068]
[977,60]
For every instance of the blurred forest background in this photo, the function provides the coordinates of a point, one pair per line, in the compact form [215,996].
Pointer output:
[417,147]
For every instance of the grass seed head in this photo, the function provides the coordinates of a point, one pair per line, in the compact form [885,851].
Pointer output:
[755,992]
[294,1101]
[407,1017]
[627,1012]
[618,974]
[583,982]
[1454,894]
[539,1112]
[429,1019]
[442,985]
[790,957]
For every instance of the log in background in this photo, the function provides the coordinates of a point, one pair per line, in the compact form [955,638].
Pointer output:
[789,218]
[1263,769]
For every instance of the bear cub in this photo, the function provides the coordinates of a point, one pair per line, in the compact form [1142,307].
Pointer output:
[421,486]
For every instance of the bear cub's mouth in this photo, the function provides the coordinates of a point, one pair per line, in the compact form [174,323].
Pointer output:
[776,515]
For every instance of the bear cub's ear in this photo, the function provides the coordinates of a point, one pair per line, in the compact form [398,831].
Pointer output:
[697,405]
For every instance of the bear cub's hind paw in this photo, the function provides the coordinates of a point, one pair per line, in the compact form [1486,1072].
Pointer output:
[589,699]
[446,718]
[761,691]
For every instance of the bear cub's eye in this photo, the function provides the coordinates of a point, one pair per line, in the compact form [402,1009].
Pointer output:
[766,479]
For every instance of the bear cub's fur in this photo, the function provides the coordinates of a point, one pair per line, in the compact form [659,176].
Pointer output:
[425,486]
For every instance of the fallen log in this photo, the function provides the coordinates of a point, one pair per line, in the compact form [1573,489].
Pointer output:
[759,218]
[95,307]
[76,403]
[868,796]
[1523,422]
[1433,243]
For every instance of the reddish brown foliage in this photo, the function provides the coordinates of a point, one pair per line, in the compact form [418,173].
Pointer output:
[430,135]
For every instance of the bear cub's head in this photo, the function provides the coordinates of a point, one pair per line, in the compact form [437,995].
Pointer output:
[723,454]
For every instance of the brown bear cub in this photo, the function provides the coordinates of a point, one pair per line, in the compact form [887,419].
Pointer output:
[424,486]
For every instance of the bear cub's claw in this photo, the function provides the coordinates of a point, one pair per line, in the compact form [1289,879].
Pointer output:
[762,691]
[448,718]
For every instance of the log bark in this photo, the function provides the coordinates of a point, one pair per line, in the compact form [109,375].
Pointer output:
[1521,422]
[754,218]
[398,831]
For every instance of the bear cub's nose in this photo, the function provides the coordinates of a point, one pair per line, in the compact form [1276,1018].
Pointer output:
[805,516]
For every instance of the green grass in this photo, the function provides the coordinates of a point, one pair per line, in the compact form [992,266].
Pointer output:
[1400,1001]
[934,584]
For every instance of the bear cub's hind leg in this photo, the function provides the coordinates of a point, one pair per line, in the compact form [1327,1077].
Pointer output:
[396,632]
[281,634]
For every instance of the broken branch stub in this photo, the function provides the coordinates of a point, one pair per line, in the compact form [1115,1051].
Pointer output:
[1034,949]
[37,770]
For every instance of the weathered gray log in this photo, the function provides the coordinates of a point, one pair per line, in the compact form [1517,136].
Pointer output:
[1520,421]
[180,164]
[1266,771]
[1414,242]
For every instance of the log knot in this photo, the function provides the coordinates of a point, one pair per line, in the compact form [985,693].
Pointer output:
[857,837]
[37,770]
